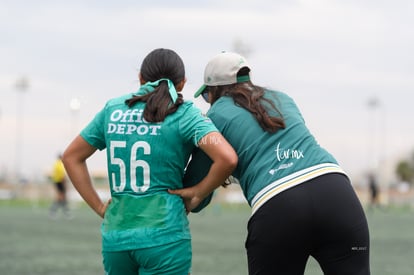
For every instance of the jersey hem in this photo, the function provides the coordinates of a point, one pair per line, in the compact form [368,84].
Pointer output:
[292,180]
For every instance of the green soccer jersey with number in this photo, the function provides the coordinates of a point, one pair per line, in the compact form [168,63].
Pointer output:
[145,160]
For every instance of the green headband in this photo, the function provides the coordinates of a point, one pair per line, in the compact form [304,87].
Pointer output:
[149,87]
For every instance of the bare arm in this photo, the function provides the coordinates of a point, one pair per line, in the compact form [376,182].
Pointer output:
[224,162]
[74,159]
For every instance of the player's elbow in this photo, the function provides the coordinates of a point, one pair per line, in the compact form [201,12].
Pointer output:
[67,159]
[230,161]
[70,158]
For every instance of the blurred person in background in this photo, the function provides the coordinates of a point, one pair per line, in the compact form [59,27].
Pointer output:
[373,190]
[58,177]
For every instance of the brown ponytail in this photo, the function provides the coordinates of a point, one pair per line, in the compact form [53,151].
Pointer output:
[251,98]
[160,63]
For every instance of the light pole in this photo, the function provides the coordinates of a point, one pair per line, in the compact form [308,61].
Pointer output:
[377,143]
[74,106]
[21,86]
[373,105]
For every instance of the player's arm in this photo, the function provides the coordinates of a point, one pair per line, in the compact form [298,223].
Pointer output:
[196,170]
[224,161]
[74,159]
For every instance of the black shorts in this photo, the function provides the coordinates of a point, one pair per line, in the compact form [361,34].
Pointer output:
[322,218]
[60,187]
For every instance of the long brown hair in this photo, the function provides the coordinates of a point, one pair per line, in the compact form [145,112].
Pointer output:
[160,63]
[251,98]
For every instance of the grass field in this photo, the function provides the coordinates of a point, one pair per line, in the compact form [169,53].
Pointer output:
[32,244]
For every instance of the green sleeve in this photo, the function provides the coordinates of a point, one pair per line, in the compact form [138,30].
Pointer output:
[94,132]
[196,170]
[194,126]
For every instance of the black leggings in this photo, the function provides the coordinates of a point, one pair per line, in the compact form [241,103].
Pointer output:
[322,218]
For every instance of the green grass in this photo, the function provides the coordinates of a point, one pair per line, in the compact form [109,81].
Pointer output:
[32,244]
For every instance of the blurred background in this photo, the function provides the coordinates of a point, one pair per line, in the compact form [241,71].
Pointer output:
[348,64]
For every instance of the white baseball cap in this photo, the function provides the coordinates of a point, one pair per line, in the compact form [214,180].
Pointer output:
[222,69]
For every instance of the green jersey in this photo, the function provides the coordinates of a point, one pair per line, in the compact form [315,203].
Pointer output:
[269,162]
[144,160]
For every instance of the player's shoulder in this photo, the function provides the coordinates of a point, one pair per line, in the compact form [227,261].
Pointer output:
[188,107]
[226,107]
[276,94]
[120,100]
[187,104]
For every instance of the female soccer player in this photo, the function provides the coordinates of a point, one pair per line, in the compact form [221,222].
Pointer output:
[302,201]
[149,136]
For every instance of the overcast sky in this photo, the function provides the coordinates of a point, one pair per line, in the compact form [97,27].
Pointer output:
[333,57]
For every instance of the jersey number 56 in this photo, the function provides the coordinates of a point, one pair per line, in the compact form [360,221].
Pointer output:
[134,164]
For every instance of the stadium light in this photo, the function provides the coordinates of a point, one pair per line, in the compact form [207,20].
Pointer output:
[74,106]
[21,86]
[378,142]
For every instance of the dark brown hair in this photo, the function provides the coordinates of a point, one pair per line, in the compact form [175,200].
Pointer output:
[160,63]
[251,98]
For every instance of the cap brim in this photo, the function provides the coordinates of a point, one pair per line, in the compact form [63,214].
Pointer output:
[199,91]
[240,79]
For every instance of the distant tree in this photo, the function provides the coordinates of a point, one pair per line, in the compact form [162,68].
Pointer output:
[405,171]
[241,47]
